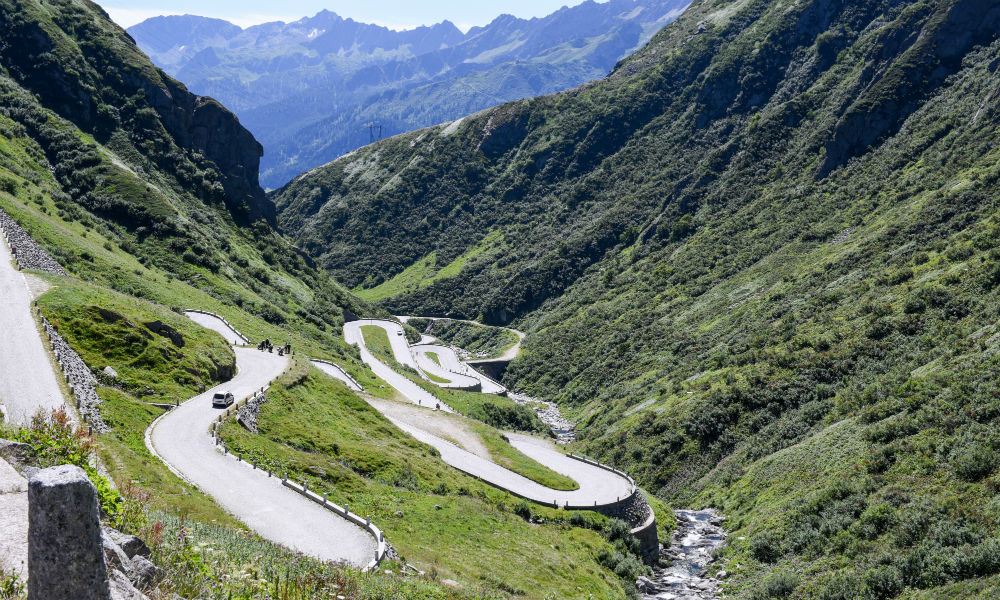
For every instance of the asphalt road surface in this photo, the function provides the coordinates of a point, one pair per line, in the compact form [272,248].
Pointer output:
[409,390]
[217,325]
[181,439]
[28,381]
[597,485]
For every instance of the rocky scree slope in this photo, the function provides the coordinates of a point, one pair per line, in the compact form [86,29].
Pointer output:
[757,263]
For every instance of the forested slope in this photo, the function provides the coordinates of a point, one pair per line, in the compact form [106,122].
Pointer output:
[759,263]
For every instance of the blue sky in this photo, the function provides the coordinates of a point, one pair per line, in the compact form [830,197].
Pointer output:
[397,14]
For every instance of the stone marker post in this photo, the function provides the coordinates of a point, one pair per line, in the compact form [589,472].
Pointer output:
[65,554]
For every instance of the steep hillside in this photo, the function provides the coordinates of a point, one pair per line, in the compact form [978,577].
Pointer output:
[134,183]
[309,89]
[758,263]
[146,196]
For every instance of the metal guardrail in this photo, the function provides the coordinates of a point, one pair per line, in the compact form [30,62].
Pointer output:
[605,467]
[381,547]
[339,368]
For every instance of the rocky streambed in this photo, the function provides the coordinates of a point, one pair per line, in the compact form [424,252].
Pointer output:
[699,534]
[549,413]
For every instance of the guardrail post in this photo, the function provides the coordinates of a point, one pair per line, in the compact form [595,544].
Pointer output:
[305,485]
[324,498]
[368,521]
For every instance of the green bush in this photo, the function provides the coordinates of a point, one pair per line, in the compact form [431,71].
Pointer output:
[523,510]
[842,586]
[884,582]
[974,462]
[778,585]
[55,442]
[765,547]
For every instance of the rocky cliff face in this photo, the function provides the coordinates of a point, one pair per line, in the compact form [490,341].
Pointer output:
[94,83]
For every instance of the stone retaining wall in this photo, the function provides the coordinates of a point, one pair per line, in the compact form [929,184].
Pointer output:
[247,414]
[78,376]
[27,253]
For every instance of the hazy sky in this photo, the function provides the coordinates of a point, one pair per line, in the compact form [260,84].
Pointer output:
[397,14]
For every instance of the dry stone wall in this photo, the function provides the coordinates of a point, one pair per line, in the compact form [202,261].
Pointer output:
[27,252]
[81,381]
[249,412]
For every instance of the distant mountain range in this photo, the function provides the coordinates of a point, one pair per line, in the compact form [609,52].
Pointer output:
[309,90]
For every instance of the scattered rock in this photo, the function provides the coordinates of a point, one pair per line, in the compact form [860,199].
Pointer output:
[450,582]
[549,413]
[65,550]
[644,585]
[16,453]
[317,471]
[121,588]
[144,574]
[437,507]
[114,556]
[110,371]
[692,550]
[129,544]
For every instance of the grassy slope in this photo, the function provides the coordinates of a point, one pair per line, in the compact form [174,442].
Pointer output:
[424,272]
[316,429]
[489,342]
[757,241]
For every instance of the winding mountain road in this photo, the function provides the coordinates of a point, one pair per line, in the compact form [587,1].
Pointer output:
[598,486]
[28,382]
[409,390]
[180,438]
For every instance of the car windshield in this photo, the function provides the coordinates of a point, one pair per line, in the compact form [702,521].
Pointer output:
[220,395]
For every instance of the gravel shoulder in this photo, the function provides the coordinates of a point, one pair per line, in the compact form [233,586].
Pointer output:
[442,425]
